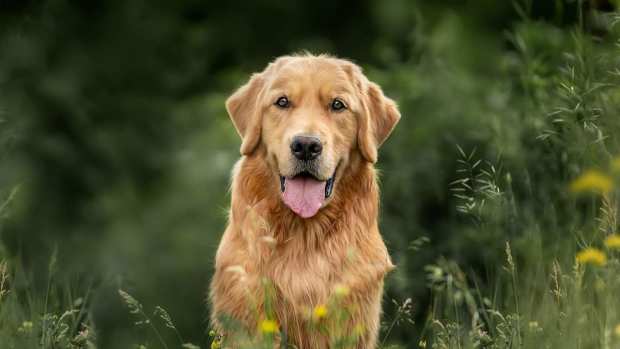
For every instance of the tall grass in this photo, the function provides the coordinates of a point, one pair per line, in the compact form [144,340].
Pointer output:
[55,318]
[562,293]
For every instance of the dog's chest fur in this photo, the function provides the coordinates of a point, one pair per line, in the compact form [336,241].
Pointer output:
[305,260]
[306,267]
[267,251]
[304,279]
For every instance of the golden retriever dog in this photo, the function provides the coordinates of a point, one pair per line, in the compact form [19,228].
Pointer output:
[302,227]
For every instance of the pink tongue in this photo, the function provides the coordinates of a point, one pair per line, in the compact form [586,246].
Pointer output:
[304,195]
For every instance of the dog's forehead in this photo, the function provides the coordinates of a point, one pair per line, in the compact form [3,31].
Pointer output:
[324,74]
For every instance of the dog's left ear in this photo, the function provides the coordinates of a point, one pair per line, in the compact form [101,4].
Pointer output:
[244,110]
[381,116]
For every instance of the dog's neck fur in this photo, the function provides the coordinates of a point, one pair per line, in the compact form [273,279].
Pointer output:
[256,189]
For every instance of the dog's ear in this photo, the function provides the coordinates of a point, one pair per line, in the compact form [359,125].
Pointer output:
[380,117]
[244,110]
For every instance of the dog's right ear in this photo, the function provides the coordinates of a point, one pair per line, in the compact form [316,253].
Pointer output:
[244,110]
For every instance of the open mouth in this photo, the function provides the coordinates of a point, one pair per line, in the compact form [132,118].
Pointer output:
[304,193]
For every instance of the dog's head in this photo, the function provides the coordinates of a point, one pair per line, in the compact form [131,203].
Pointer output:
[312,115]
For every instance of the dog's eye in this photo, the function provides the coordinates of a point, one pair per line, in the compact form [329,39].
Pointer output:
[338,105]
[282,102]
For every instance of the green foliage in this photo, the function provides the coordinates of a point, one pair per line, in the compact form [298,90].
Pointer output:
[51,320]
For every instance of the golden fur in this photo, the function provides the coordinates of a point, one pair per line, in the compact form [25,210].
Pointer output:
[304,259]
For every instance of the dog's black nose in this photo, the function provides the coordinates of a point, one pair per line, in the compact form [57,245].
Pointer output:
[306,147]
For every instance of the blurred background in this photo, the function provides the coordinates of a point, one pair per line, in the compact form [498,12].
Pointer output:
[116,148]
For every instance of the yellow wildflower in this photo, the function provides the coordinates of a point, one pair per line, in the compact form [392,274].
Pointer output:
[594,181]
[268,326]
[612,241]
[592,256]
[617,330]
[341,290]
[320,311]
[359,330]
[217,340]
